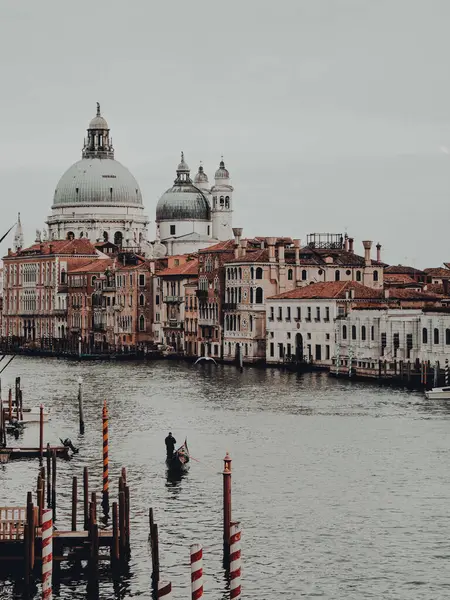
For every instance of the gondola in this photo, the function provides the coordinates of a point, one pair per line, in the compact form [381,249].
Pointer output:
[180,459]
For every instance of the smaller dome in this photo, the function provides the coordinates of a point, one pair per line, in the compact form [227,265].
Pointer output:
[222,172]
[201,176]
[183,167]
[98,122]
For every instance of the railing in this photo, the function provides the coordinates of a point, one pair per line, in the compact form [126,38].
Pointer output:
[173,325]
[60,312]
[229,306]
[173,299]
[207,321]
[12,523]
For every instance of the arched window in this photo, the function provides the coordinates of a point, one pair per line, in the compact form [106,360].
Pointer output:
[227,201]
[227,323]
[363,332]
[118,237]
[141,323]
[304,275]
[251,323]
[63,277]
[70,235]
[337,275]
[353,332]
[447,336]
[93,279]
[141,300]
[251,295]
[375,275]
[259,296]
[259,274]
[221,201]
[344,332]
[436,335]
[358,275]
[252,273]
[81,234]
[290,274]
[424,335]
[240,273]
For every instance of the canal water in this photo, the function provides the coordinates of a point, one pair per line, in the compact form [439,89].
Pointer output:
[342,488]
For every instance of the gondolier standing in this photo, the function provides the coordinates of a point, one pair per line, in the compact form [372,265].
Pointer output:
[170,444]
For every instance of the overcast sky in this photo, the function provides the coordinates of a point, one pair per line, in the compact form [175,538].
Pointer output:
[332,115]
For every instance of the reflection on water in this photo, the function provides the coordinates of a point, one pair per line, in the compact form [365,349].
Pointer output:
[341,487]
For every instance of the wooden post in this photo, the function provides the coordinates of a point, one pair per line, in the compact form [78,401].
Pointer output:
[27,544]
[94,506]
[105,498]
[86,497]
[10,405]
[122,525]
[226,509]
[127,517]
[115,543]
[21,405]
[49,474]
[16,391]
[74,503]
[54,484]
[80,404]
[41,430]
[155,546]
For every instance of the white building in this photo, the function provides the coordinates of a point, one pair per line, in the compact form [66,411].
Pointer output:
[300,323]
[190,215]
[97,197]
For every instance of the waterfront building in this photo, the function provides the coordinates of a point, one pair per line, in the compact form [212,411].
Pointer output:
[35,286]
[191,215]
[173,314]
[300,323]
[97,198]
[191,317]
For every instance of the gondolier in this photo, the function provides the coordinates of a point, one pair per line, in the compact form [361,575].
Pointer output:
[170,445]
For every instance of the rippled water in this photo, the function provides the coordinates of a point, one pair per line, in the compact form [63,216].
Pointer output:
[342,488]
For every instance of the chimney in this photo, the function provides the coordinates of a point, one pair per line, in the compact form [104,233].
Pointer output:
[386,293]
[352,293]
[297,244]
[237,232]
[346,243]
[281,254]
[262,244]
[367,246]
[378,252]
[350,245]
[9,252]
[271,245]
[244,248]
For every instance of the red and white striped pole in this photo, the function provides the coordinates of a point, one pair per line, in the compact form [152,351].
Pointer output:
[235,561]
[196,571]
[47,553]
[165,590]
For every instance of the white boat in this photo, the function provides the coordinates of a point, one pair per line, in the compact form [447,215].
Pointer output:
[439,393]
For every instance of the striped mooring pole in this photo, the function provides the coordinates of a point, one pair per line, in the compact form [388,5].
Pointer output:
[196,571]
[350,361]
[47,553]
[226,509]
[105,499]
[165,590]
[446,371]
[338,359]
[235,561]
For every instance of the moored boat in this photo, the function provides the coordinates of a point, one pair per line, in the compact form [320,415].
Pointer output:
[438,393]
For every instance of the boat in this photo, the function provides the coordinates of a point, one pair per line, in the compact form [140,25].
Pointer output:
[438,393]
[180,459]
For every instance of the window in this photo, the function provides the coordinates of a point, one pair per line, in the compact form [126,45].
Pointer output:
[172,230]
[290,274]
[358,275]
[375,275]
[157,317]
[344,332]
[299,313]
[141,279]
[272,349]
[447,336]
[353,332]
[141,300]
[280,350]
[318,313]
[372,333]
[318,352]
[383,342]
[157,299]
[436,335]
[271,313]
[141,323]
[288,315]
[396,342]
[259,274]
[327,352]
[337,275]
[363,333]
[327,313]
[424,335]
[304,275]
[209,231]
[308,318]
[409,344]
[259,295]
[280,313]
[288,350]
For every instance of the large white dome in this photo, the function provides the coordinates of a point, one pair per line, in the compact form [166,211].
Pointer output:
[97,181]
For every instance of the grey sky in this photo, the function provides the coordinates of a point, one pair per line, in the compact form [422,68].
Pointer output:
[330,114]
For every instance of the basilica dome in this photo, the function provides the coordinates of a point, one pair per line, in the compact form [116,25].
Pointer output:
[97,181]
[183,201]
[222,172]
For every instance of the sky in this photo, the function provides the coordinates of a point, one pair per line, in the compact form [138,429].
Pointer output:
[331,115]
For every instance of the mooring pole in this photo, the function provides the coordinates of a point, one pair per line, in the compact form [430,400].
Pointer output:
[49,474]
[165,590]
[196,572]
[446,372]
[226,509]
[41,430]
[74,503]
[105,499]
[47,554]
[235,561]
[86,497]
[54,484]
[80,404]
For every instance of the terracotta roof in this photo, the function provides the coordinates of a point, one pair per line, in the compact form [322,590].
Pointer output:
[99,265]
[402,269]
[340,257]
[435,288]
[220,247]
[76,246]
[438,272]
[406,294]
[188,268]
[398,278]
[331,290]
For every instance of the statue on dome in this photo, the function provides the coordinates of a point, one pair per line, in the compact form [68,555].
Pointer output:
[38,235]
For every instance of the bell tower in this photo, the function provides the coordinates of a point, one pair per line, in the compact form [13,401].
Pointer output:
[222,204]
[98,144]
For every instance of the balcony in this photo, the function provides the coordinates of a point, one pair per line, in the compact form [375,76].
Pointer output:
[326,320]
[288,319]
[201,294]
[173,324]
[229,306]
[297,319]
[308,319]
[317,320]
[208,322]
[60,312]
[99,327]
[173,299]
